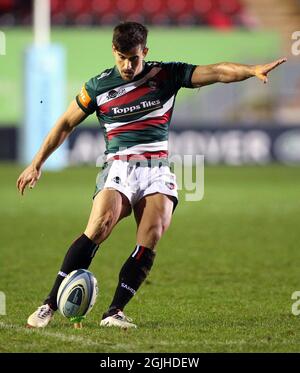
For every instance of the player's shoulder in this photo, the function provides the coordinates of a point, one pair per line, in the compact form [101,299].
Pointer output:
[106,74]
[159,64]
[169,65]
[102,80]
[151,64]
[102,76]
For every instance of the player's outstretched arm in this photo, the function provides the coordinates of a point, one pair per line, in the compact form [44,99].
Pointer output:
[227,72]
[61,130]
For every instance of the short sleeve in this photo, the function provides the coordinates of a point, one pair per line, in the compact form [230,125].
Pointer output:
[86,99]
[181,73]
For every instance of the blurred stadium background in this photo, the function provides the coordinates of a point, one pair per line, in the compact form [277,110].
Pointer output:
[232,124]
[246,252]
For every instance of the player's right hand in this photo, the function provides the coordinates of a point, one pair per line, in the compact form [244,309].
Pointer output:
[262,71]
[29,177]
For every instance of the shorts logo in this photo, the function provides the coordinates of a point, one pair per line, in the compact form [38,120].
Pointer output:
[171,186]
[115,93]
[117,180]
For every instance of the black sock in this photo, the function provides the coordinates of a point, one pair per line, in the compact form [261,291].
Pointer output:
[79,255]
[132,275]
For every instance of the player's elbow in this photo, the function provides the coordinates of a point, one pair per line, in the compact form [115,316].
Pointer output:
[65,123]
[69,126]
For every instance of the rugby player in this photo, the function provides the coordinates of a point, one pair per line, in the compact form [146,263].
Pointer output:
[133,102]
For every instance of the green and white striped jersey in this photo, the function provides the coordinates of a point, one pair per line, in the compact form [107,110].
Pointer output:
[136,115]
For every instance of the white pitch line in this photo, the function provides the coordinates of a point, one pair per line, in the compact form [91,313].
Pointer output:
[63,337]
[87,341]
[90,342]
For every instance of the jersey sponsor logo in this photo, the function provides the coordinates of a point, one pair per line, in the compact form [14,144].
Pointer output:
[154,63]
[141,107]
[103,75]
[114,93]
[153,84]
[84,97]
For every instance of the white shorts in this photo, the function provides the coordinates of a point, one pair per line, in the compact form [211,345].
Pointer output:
[136,180]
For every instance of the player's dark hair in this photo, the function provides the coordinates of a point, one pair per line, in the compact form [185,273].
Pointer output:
[128,35]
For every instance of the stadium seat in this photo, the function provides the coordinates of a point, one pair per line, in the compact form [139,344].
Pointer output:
[74,8]
[133,17]
[177,6]
[156,12]
[58,15]
[180,12]
[57,6]
[102,7]
[218,20]
[202,7]
[128,6]
[229,7]
[185,19]
[7,16]
[214,13]
[6,6]
[130,10]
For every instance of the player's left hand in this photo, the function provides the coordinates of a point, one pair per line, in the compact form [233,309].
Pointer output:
[29,176]
[261,71]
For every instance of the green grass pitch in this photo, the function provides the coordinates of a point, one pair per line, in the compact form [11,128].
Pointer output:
[222,281]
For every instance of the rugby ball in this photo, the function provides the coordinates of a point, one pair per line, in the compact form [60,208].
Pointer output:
[77,293]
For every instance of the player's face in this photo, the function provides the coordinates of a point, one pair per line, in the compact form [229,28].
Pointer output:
[130,63]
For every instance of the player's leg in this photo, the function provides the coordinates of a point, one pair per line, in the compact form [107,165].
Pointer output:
[153,215]
[109,207]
